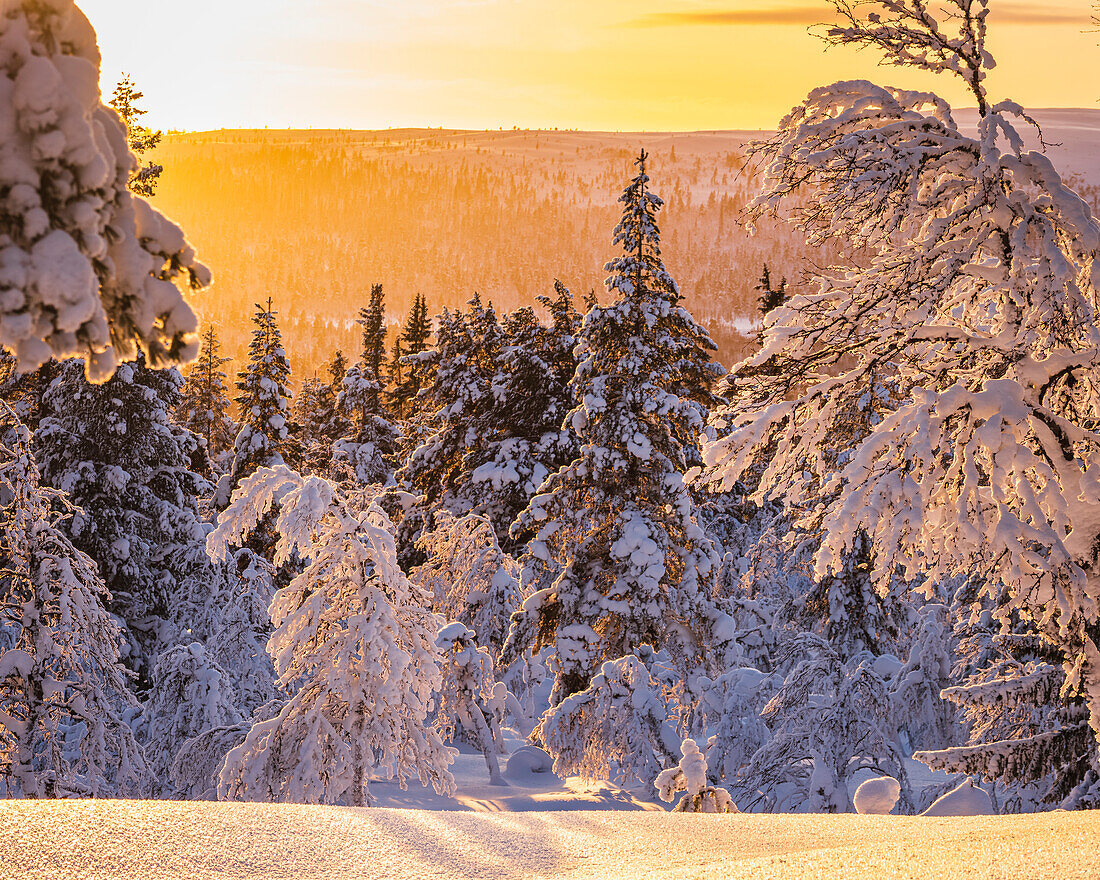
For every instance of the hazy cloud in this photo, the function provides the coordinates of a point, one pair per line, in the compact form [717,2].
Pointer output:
[1015,13]
[804,15]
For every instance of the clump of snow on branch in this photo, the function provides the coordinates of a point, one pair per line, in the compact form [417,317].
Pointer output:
[86,269]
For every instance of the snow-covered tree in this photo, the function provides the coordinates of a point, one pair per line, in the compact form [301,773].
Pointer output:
[978,300]
[196,769]
[415,372]
[62,690]
[114,450]
[263,399]
[921,716]
[829,721]
[619,728]
[319,415]
[190,694]
[143,178]
[499,394]
[730,710]
[88,269]
[204,407]
[465,368]
[635,566]
[353,642]
[242,627]
[526,439]
[1037,747]
[468,577]
[470,702]
[690,777]
[368,450]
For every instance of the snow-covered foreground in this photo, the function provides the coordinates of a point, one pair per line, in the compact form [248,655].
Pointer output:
[148,840]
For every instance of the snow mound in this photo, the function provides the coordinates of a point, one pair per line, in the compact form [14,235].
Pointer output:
[964,800]
[527,761]
[878,796]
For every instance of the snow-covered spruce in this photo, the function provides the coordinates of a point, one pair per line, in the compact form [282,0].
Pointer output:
[367,452]
[114,450]
[264,402]
[204,407]
[190,695]
[353,641]
[87,269]
[690,777]
[319,417]
[1021,734]
[980,298]
[625,569]
[62,690]
[497,400]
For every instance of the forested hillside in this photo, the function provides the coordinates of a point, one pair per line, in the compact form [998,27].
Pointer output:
[314,218]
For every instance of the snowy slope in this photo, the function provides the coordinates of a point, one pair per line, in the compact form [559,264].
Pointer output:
[148,840]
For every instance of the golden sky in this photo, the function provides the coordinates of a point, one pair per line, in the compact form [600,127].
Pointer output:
[589,64]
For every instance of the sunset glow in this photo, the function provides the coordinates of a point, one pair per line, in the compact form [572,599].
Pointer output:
[589,64]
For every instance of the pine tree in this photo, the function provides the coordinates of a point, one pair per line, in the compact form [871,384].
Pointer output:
[353,642]
[91,271]
[204,405]
[635,567]
[114,450]
[144,178]
[62,690]
[263,399]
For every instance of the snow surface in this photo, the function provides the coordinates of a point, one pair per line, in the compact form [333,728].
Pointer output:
[112,840]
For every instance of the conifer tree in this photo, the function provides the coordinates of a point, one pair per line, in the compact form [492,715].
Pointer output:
[263,399]
[770,298]
[144,178]
[636,568]
[414,343]
[465,370]
[62,690]
[115,451]
[369,449]
[204,407]
[353,642]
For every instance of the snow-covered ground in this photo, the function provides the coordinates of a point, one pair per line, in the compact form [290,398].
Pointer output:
[190,841]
